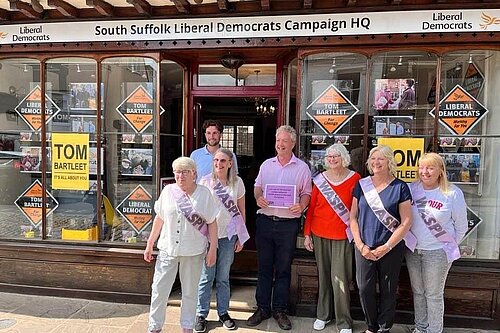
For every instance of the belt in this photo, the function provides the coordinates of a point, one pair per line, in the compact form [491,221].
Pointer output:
[279,219]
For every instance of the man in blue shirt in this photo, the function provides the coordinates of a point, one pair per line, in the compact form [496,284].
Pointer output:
[204,155]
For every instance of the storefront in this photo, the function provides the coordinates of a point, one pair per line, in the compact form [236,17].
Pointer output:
[92,114]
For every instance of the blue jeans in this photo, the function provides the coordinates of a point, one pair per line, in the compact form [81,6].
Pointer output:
[219,272]
[428,270]
[275,242]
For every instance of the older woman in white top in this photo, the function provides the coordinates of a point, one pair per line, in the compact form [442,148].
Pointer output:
[439,224]
[184,226]
[229,192]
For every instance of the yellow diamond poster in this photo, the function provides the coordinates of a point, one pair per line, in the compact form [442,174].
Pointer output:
[30,109]
[137,109]
[459,111]
[30,203]
[137,209]
[331,110]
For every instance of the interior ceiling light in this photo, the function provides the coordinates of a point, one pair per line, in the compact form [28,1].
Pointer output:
[78,70]
[332,68]
[393,68]
[25,68]
[470,58]
[458,67]
[400,62]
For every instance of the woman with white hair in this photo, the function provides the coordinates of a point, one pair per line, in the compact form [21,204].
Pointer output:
[229,192]
[184,226]
[327,234]
[439,223]
[380,219]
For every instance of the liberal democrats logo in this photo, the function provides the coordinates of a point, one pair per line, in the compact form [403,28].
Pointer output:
[488,20]
[3,34]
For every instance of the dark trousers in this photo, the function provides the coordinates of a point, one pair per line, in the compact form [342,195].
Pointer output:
[379,313]
[276,241]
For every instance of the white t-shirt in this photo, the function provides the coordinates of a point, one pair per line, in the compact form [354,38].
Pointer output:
[451,212]
[236,192]
[178,237]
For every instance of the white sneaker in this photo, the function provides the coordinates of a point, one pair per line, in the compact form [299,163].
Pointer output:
[319,324]
[346,330]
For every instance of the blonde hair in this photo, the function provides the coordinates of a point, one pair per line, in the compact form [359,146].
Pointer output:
[388,153]
[342,151]
[437,161]
[231,172]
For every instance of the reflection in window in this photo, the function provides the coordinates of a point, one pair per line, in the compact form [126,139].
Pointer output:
[332,104]
[246,75]
[20,150]
[471,157]
[72,102]
[129,133]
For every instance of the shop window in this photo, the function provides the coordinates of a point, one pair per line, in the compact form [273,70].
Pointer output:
[468,141]
[129,147]
[239,139]
[20,149]
[332,105]
[171,117]
[246,75]
[71,136]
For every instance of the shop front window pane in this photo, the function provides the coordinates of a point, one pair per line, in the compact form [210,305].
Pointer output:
[171,117]
[71,91]
[20,150]
[246,75]
[402,94]
[332,104]
[469,142]
[129,131]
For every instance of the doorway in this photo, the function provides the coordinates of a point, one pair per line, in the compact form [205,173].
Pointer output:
[250,135]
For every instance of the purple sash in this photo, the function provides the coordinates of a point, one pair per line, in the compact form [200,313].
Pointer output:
[334,201]
[450,245]
[376,205]
[185,205]
[236,226]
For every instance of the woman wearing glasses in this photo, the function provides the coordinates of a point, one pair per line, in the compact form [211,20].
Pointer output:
[229,193]
[327,234]
[184,226]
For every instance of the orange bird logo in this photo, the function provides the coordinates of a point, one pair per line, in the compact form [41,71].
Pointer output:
[3,34]
[488,20]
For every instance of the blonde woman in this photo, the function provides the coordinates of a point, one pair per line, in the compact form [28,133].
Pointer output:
[229,192]
[439,223]
[380,220]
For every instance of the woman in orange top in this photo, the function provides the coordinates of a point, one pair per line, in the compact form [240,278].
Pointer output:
[326,234]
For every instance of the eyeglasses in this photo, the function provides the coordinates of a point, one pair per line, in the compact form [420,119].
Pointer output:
[332,156]
[182,172]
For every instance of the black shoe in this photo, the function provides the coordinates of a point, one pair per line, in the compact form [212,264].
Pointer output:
[200,325]
[258,317]
[283,322]
[227,322]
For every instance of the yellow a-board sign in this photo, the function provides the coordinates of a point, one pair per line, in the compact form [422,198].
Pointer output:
[407,151]
[70,161]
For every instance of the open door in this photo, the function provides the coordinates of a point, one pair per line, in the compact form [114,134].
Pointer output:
[250,135]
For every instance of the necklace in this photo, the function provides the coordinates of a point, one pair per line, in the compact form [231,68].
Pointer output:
[337,177]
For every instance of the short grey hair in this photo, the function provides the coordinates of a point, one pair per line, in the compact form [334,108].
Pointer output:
[342,151]
[288,129]
[184,163]
[388,153]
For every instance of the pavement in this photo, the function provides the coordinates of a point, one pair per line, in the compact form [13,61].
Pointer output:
[46,314]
